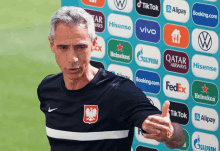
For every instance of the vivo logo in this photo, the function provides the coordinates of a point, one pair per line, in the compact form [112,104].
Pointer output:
[149,31]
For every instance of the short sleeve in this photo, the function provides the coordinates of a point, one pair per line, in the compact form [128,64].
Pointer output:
[131,104]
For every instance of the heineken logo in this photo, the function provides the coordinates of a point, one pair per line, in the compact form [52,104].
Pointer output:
[120,51]
[204,92]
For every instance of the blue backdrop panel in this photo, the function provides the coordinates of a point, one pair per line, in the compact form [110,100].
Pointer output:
[170,49]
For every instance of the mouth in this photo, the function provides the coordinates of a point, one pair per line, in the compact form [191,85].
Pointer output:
[73,70]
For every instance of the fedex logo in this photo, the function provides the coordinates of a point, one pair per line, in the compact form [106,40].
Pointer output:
[176,87]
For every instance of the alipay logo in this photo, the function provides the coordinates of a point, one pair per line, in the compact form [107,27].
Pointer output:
[206,15]
[148,30]
[120,25]
[148,81]
[205,41]
[121,5]
[168,8]
[176,10]
[197,116]
[147,56]
[205,118]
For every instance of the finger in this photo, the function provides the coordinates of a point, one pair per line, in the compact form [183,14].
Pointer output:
[165,109]
[153,125]
[159,138]
[159,119]
[151,130]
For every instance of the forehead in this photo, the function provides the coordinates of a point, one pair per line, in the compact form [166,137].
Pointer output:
[66,33]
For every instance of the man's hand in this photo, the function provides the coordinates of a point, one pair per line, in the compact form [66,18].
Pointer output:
[159,127]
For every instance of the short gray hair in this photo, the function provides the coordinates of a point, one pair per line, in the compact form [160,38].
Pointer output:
[72,15]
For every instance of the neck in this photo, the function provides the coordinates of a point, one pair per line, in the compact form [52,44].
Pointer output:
[75,84]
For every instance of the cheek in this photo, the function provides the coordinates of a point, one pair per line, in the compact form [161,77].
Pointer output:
[60,59]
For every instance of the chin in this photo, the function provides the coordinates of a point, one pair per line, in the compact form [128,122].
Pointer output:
[74,76]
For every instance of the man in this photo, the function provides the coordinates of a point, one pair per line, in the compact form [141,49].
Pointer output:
[92,109]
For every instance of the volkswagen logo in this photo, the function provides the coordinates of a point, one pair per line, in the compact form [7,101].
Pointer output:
[205,41]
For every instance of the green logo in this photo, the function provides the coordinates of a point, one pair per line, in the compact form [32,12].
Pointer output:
[120,51]
[186,144]
[205,92]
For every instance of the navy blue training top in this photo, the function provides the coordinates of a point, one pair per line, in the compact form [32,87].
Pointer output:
[98,117]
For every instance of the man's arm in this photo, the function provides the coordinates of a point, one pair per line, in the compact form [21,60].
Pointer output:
[160,128]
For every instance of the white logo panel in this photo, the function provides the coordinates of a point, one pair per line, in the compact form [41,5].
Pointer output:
[147,56]
[120,25]
[154,101]
[204,141]
[176,10]
[99,51]
[205,118]
[211,0]
[205,67]
[121,71]
[205,41]
[121,5]
[141,138]
[176,87]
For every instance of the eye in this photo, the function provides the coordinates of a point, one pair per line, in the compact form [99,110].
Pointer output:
[63,47]
[80,47]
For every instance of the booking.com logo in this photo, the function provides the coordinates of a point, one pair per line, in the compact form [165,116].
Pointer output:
[148,81]
[206,15]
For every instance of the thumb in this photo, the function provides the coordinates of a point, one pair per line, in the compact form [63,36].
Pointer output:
[165,109]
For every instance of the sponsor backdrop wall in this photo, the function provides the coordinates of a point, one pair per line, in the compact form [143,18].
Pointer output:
[170,49]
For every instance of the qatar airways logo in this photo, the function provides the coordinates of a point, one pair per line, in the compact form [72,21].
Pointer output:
[176,61]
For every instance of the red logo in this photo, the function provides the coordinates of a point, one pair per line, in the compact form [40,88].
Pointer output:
[205,89]
[120,47]
[90,113]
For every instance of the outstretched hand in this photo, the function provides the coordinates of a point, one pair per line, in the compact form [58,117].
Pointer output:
[159,127]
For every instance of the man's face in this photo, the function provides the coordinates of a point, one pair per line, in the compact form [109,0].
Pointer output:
[72,47]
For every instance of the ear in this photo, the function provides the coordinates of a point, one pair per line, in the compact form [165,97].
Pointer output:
[51,44]
[94,44]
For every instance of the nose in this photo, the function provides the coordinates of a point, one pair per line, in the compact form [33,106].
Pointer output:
[72,56]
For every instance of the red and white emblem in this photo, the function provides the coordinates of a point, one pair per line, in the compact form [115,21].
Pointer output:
[90,113]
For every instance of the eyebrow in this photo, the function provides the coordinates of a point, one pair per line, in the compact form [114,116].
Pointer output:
[81,44]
